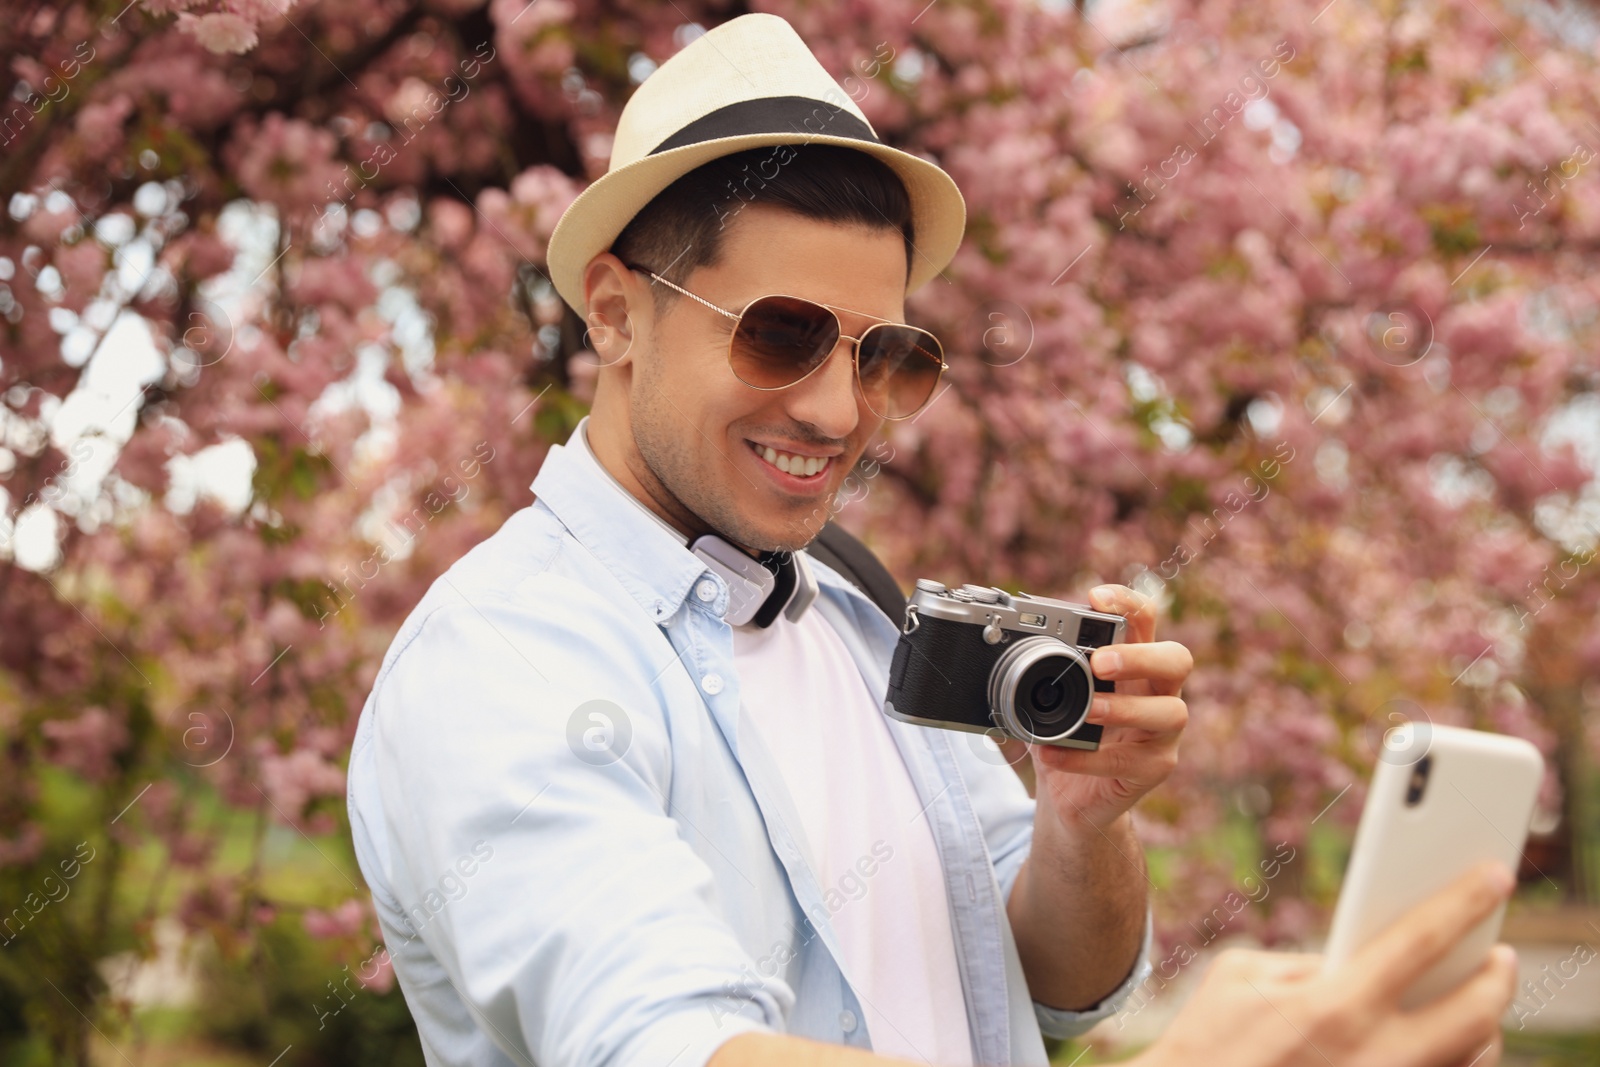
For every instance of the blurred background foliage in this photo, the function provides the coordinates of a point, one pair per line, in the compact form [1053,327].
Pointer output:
[1284,313]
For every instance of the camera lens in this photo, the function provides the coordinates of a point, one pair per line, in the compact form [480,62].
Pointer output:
[1052,696]
[1041,689]
[1045,695]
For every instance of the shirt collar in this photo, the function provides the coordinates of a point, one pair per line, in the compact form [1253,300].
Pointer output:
[648,557]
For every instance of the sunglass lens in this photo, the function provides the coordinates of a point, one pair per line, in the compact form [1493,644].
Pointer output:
[780,340]
[900,367]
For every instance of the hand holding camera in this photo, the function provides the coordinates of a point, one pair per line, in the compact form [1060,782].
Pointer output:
[1087,687]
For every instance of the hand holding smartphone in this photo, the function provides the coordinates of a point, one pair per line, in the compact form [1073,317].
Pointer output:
[1442,799]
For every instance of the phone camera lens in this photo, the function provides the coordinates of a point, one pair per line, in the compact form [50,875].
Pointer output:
[1418,782]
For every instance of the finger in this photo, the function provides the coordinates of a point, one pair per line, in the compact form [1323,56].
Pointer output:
[1238,964]
[1459,1026]
[1388,964]
[1138,609]
[1165,664]
[1287,966]
[1157,714]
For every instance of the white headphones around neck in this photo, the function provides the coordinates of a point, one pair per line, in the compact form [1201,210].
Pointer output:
[759,588]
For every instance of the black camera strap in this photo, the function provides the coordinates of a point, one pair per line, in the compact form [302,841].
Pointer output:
[841,550]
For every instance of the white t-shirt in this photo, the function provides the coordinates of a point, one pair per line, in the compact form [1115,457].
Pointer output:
[865,832]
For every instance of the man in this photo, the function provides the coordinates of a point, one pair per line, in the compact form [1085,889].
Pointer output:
[623,790]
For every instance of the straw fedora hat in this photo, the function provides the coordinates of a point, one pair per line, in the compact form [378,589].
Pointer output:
[746,83]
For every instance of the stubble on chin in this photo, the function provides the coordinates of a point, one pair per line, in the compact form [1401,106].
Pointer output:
[667,445]
[672,465]
[713,500]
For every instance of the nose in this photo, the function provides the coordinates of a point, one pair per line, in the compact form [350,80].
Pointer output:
[829,400]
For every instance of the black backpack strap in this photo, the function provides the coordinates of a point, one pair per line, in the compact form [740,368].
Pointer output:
[841,550]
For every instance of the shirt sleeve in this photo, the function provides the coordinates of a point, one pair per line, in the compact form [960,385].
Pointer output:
[1056,1022]
[587,932]
[1005,811]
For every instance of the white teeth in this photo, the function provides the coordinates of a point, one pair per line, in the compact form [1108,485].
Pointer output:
[799,466]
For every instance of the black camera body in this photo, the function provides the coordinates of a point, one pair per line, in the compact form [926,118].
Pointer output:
[978,658]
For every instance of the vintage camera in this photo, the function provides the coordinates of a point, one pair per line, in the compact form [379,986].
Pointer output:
[977,658]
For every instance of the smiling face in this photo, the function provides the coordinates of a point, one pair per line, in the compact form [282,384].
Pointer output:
[687,437]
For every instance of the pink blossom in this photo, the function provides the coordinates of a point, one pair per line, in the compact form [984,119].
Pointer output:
[23,845]
[382,977]
[345,920]
[100,122]
[452,222]
[293,780]
[333,280]
[548,191]
[287,161]
[202,255]
[259,10]
[219,31]
[87,743]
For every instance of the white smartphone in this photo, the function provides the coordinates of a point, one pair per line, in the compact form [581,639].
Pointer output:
[1442,799]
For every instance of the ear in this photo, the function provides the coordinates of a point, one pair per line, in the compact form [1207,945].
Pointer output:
[617,305]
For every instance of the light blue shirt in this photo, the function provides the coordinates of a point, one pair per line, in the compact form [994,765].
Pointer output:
[574,860]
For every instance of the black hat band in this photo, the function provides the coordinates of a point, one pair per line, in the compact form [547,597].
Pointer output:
[771,114]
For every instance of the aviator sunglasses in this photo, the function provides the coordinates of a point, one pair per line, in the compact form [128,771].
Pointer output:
[779,341]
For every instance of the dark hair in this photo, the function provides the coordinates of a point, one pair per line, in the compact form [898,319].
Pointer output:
[829,183]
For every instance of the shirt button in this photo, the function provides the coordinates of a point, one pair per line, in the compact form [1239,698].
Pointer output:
[712,683]
[847,1021]
[706,591]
